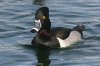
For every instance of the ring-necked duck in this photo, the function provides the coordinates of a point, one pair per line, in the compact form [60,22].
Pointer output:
[57,37]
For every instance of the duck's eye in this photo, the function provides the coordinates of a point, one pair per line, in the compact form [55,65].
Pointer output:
[44,17]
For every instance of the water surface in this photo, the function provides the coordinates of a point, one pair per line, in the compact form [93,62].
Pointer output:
[16,21]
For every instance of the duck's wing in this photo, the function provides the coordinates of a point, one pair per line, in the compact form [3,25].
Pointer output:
[61,32]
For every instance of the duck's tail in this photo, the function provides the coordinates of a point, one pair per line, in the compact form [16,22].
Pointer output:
[79,28]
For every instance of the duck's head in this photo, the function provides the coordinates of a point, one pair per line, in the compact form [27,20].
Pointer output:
[42,20]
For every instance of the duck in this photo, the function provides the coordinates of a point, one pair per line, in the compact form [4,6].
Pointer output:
[54,37]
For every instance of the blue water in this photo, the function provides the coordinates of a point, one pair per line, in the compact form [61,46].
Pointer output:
[17,19]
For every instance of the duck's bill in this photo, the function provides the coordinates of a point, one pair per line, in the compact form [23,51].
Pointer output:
[37,25]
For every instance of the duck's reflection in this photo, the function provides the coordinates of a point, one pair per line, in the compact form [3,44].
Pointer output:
[43,56]
[38,2]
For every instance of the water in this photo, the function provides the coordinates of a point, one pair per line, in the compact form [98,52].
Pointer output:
[16,21]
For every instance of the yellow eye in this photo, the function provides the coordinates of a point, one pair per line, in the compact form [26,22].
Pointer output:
[44,17]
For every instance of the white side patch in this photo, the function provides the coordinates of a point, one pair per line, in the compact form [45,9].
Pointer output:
[73,37]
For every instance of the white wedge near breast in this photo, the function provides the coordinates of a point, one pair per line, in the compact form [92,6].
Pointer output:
[73,37]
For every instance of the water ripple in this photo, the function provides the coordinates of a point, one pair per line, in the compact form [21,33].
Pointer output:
[16,21]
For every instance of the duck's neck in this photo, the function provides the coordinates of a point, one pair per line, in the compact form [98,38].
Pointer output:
[44,34]
[46,28]
[46,24]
